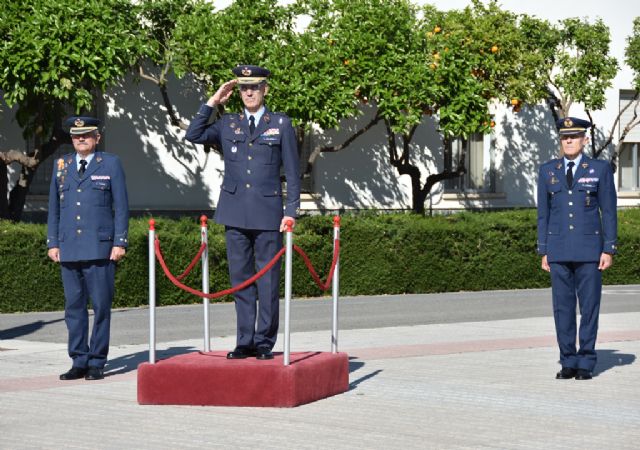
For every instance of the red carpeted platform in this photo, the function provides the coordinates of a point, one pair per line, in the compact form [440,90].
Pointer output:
[211,379]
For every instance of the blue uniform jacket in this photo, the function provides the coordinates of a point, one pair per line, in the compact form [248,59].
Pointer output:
[576,223]
[88,215]
[251,192]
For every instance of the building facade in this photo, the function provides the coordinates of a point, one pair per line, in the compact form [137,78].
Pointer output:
[167,174]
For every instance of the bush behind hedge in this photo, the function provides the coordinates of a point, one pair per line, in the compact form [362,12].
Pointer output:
[381,254]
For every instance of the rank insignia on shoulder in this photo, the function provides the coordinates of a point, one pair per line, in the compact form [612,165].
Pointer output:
[69,161]
[559,165]
[241,117]
[266,118]
[584,165]
[98,158]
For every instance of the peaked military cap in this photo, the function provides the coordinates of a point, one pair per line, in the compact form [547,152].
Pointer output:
[81,124]
[251,74]
[572,125]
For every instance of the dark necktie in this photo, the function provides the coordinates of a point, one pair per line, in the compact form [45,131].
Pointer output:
[570,165]
[83,167]
[252,124]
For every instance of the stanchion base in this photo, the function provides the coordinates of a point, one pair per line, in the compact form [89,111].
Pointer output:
[211,379]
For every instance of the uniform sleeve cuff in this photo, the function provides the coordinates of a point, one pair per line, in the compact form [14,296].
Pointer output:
[542,249]
[205,110]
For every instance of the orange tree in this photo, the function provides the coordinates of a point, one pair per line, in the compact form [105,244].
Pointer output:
[55,56]
[580,69]
[407,63]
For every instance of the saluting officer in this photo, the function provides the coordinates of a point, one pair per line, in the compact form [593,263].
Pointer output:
[255,144]
[577,233]
[87,231]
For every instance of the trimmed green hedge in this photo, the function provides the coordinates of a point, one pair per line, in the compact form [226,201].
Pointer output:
[381,254]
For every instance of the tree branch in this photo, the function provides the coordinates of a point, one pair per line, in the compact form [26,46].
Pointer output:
[147,77]
[336,148]
[11,156]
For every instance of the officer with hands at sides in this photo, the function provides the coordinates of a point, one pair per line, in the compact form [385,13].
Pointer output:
[255,144]
[577,234]
[87,228]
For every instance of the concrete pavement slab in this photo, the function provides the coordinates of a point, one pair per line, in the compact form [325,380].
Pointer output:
[458,385]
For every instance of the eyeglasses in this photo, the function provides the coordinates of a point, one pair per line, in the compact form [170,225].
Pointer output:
[253,87]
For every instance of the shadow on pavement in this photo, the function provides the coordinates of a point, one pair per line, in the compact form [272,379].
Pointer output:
[608,359]
[26,329]
[356,365]
[128,363]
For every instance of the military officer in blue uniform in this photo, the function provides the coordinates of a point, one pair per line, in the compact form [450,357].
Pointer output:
[255,144]
[577,233]
[87,230]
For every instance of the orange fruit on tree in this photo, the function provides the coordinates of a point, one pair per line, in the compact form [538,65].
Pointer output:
[494,49]
[437,29]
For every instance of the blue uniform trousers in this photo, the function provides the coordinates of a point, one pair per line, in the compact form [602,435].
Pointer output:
[83,280]
[248,251]
[584,281]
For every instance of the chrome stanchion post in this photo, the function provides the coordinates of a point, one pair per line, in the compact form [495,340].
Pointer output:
[152,292]
[204,239]
[336,286]
[287,288]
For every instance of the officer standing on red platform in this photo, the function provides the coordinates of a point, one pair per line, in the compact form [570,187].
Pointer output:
[87,227]
[255,144]
[577,234]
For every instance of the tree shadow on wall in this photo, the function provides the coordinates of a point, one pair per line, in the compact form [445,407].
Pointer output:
[163,170]
[526,140]
[362,175]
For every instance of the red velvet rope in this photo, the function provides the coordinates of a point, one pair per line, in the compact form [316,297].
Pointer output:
[323,286]
[176,280]
[193,263]
[239,287]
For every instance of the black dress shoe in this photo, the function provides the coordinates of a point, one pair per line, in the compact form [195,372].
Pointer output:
[264,353]
[241,353]
[583,374]
[75,373]
[566,373]
[94,373]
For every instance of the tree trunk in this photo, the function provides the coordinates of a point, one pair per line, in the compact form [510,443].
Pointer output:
[4,199]
[18,195]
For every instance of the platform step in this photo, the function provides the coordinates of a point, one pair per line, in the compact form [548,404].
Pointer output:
[210,379]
